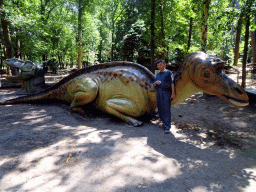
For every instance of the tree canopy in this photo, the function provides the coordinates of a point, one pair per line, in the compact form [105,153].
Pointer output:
[100,31]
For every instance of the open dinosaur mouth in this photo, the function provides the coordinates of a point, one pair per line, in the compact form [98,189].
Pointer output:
[236,102]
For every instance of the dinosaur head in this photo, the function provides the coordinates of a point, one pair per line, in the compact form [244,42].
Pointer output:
[207,75]
[28,69]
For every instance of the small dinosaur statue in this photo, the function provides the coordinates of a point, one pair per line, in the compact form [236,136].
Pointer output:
[52,64]
[125,89]
[31,76]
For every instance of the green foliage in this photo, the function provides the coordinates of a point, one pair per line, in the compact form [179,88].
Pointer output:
[120,29]
[133,45]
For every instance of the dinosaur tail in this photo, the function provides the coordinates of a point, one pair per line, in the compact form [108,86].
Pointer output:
[25,99]
[11,101]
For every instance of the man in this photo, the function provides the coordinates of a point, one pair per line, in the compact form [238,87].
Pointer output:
[165,93]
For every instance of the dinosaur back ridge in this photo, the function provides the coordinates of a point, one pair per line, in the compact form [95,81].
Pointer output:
[143,70]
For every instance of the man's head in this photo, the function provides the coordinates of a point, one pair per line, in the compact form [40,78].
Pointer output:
[161,65]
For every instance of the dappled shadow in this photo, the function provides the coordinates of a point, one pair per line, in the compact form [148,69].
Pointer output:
[204,167]
[48,147]
[210,114]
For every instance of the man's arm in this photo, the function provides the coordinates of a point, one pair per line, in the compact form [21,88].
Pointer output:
[173,88]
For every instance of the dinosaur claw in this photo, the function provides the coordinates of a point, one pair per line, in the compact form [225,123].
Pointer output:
[78,110]
[135,123]
[138,125]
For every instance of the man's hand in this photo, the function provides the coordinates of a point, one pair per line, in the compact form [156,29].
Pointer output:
[173,96]
[157,83]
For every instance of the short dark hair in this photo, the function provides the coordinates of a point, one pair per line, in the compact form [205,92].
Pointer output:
[160,61]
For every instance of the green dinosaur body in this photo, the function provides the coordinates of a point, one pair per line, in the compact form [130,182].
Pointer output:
[123,89]
[126,90]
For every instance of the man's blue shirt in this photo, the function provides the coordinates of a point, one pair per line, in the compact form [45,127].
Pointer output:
[166,78]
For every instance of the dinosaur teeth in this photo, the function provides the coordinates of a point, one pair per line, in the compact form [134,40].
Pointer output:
[237,103]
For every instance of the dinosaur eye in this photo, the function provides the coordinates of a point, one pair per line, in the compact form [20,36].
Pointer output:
[208,76]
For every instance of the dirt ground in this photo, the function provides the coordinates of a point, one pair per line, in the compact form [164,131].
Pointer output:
[47,147]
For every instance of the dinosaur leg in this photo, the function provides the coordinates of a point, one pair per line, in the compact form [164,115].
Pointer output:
[84,91]
[80,99]
[124,109]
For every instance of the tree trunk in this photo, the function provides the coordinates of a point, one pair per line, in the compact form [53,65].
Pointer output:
[43,13]
[44,57]
[253,43]
[238,35]
[152,41]
[100,51]
[7,39]
[79,39]
[246,39]
[17,51]
[112,41]
[101,41]
[1,57]
[204,24]
[162,37]
[190,32]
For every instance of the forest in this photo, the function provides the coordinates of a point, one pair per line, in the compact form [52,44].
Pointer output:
[87,32]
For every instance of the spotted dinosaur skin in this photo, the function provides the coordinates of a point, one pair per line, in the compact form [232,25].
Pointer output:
[125,89]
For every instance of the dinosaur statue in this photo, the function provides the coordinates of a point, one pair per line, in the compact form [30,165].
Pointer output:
[52,64]
[31,76]
[125,89]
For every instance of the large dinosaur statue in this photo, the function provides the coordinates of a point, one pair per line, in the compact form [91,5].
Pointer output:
[126,90]
[31,76]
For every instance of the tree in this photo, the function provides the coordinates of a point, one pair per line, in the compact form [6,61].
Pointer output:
[253,43]
[134,42]
[46,8]
[206,6]
[136,30]
[246,38]
[101,40]
[152,36]
[190,32]
[81,7]
[6,36]
[6,33]
[162,50]
[116,13]
[238,35]
[247,12]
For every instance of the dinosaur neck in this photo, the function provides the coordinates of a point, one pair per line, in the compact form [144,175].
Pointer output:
[184,88]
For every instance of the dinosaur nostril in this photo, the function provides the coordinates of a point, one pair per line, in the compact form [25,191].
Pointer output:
[239,90]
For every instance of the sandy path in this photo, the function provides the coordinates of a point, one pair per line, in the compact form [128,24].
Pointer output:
[46,147]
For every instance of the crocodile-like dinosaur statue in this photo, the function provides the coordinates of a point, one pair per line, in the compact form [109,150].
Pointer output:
[31,76]
[126,90]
